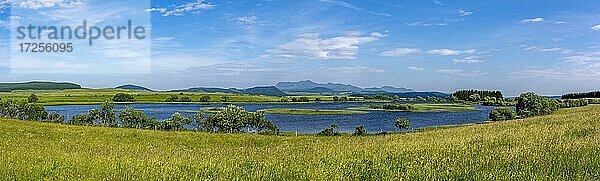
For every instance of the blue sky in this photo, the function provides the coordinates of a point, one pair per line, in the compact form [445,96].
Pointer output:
[550,47]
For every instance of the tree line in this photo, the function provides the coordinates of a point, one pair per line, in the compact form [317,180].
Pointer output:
[476,95]
[595,94]
[231,119]
[530,104]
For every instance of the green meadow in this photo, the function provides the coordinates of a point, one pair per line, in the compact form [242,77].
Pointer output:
[561,146]
[310,111]
[433,107]
[98,96]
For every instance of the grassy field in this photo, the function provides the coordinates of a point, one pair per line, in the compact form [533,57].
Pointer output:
[311,111]
[96,96]
[563,146]
[426,108]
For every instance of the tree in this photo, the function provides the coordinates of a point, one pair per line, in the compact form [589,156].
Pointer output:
[136,119]
[56,118]
[475,98]
[329,131]
[530,104]
[106,114]
[502,114]
[205,98]
[32,98]
[176,122]
[232,119]
[81,119]
[402,123]
[360,131]
[224,99]
[122,97]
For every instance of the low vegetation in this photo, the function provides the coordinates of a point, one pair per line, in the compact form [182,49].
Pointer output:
[561,146]
[503,114]
[310,111]
[419,107]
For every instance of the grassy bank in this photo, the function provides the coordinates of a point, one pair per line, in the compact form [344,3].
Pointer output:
[423,108]
[563,146]
[311,111]
[97,96]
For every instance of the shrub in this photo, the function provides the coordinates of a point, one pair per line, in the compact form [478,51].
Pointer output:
[502,114]
[136,119]
[530,104]
[32,98]
[176,122]
[233,119]
[122,97]
[205,98]
[360,131]
[402,123]
[329,131]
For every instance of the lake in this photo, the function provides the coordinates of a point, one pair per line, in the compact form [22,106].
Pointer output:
[373,121]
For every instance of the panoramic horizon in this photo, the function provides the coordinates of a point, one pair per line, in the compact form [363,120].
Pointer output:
[549,49]
[299,90]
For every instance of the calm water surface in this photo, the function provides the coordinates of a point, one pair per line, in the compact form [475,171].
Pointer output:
[374,121]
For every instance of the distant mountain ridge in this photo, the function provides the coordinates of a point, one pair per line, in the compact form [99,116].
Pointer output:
[310,87]
[7,87]
[134,87]
[259,90]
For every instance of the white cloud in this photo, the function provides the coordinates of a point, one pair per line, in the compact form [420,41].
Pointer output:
[439,3]
[180,10]
[447,52]
[464,12]
[596,28]
[246,19]
[420,23]
[461,73]
[313,46]
[584,58]
[162,10]
[351,6]
[560,22]
[399,52]
[415,68]
[468,60]
[39,4]
[532,20]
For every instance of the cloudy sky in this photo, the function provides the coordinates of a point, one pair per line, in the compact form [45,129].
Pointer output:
[550,47]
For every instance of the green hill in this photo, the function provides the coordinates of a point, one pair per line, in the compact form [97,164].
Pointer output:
[7,87]
[563,146]
[135,88]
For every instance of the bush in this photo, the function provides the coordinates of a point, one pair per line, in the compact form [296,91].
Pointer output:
[32,98]
[329,131]
[233,119]
[175,98]
[360,131]
[205,98]
[136,119]
[530,104]
[402,123]
[502,114]
[121,97]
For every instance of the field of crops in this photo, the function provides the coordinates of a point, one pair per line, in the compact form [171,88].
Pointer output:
[562,146]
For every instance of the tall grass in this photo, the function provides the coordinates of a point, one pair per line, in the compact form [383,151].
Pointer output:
[562,146]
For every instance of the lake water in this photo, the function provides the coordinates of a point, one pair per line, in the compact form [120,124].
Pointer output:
[373,121]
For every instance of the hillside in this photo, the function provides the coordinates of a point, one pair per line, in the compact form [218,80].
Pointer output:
[563,146]
[312,87]
[266,91]
[134,87]
[7,87]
